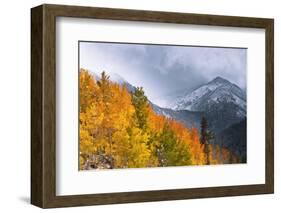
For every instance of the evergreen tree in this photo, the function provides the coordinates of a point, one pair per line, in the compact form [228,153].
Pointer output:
[141,105]
[206,137]
[204,126]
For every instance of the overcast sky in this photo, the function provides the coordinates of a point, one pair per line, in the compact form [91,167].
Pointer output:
[163,70]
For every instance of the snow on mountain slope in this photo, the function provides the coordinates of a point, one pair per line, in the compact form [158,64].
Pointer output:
[216,91]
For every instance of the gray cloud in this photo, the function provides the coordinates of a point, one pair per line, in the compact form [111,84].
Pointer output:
[163,69]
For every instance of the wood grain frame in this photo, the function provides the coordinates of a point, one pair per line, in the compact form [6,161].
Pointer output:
[43,105]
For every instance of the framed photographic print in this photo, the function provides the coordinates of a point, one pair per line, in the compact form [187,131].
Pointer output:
[135,106]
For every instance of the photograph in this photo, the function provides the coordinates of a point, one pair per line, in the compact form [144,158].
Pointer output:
[139,105]
[161,105]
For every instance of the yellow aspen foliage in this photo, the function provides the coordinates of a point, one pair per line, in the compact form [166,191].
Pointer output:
[88,90]
[139,154]
[197,149]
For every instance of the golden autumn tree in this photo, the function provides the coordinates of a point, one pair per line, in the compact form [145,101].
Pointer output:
[90,117]
[197,149]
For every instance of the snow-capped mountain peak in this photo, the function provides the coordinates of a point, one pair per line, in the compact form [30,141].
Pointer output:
[218,90]
[219,80]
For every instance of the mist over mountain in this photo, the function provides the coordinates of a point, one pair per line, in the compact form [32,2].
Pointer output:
[188,118]
[116,78]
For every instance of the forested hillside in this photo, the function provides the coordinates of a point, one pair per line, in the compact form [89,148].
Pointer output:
[119,129]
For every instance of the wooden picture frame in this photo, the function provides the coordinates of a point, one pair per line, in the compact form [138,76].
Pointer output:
[43,105]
